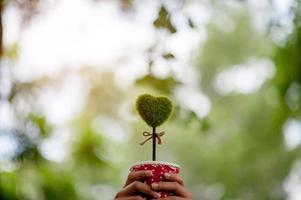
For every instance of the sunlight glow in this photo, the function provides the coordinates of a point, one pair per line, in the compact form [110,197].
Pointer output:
[245,78]
[8,146]
[292,133]
[110,129]
[60,103]
[77,33]
[292,184]
[193,100]
[7,116]
[55,148]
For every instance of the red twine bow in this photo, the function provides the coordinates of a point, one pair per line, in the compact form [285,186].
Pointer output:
[150,136]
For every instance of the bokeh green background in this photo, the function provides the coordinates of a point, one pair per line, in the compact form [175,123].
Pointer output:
[246,146]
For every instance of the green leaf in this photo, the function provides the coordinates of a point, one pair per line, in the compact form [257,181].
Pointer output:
[163,20]
[168,56]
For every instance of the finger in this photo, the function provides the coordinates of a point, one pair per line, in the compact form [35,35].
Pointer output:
[138,176]
[171,186]
[174,177]
[138,187]
[131,198]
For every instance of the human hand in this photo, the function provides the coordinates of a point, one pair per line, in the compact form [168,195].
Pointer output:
[133,187]
[173,183]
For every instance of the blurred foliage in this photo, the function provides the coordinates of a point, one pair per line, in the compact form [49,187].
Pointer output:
[164,21]
[236,152]
[12,52]
[225,48]
[165,85]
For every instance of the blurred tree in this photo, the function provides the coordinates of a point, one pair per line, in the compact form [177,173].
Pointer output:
[236,152]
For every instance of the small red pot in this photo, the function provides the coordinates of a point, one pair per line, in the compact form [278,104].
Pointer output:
[159,168]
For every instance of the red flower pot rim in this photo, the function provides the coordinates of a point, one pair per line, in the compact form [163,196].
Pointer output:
[155,163]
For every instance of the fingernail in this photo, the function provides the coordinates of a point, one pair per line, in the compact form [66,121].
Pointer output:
[149,173]
[167,175]
[155,185]
[156,195]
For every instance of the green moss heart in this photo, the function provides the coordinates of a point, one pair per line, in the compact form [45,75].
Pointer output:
[153,110]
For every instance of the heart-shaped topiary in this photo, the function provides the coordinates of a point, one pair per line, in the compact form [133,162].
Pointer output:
[153,110]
